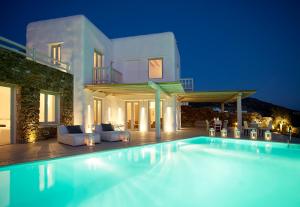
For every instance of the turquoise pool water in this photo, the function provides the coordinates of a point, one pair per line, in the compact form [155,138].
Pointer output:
[194,172]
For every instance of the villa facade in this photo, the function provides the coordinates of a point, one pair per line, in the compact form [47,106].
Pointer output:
[132,82]
[95,60]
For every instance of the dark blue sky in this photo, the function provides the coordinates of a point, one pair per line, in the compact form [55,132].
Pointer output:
[245,44]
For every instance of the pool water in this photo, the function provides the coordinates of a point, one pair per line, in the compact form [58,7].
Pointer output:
[193,172]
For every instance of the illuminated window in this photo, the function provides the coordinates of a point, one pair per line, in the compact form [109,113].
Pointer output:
[48,108]
[155,68]
[56,53]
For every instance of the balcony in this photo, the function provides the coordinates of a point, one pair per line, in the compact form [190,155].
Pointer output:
[34,55]
[107,75]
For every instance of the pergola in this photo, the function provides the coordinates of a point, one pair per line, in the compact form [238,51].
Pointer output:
[176,91]
[221,97]
[169,89]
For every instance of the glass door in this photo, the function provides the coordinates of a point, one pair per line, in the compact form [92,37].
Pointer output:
[97,111]
[5,115]
[152,114]
[132,115]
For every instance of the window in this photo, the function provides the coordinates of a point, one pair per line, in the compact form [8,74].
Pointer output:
[48,108]
[155,67]
[97,111]
[56,53]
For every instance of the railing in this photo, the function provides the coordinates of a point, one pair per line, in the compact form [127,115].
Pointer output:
[32,54]
[187,84]
[107,75]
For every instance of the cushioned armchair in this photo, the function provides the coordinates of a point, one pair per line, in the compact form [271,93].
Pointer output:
[76,137]
[107,133]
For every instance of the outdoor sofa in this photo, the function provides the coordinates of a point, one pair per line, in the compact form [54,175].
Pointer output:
[108,133]
[75,135]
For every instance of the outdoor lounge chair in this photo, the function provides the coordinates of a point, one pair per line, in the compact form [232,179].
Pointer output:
[76,137]
[107,133]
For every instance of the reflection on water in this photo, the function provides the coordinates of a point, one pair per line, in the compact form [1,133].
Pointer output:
[94,178]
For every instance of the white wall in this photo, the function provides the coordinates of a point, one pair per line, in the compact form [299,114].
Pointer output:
[80,37]
[131,54]
[69,31]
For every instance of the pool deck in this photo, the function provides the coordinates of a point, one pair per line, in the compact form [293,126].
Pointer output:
[19,153]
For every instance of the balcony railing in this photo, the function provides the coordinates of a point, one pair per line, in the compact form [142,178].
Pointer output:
[187,84]
[34,55]
[107,75]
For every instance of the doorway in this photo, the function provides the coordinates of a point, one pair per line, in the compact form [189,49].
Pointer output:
[97,111]
[5,115]
[132,115]
[152,114]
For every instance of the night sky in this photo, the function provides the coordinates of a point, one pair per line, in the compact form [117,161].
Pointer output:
[224,45]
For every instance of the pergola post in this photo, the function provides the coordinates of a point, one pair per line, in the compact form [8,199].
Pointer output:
[222,107]
[157,113]
[239,111]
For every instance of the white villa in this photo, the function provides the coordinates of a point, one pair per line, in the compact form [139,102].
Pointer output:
[131,82]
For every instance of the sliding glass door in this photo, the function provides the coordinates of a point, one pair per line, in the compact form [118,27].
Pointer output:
[132,115]
[5,115]
[151,110]
[97,111]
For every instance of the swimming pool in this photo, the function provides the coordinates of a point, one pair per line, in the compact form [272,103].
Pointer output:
[200,171]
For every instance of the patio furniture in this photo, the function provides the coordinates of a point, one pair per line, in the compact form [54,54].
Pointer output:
[218,125]
[225,124]
[247,129]
[262,130]
[107,133]
[207,124]
[74,135]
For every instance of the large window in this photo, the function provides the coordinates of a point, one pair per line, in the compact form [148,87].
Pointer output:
[155,66]
[56,53]
[48,108]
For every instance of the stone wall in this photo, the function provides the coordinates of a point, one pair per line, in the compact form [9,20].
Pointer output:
[29,78]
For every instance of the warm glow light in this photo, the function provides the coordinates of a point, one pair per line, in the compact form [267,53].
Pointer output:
[237,133]
[143,126]
[89,120]
[253,134]
[224,132]
[120,121]
[212,132]
[168,127]
[268,135]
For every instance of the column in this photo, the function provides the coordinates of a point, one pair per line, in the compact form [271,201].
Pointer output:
[222,107]
[157,113]
[239,111]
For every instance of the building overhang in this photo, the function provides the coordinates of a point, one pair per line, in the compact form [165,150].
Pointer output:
[214,96]
[148,88]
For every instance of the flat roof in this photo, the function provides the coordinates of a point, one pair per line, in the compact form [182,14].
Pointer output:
[214,96]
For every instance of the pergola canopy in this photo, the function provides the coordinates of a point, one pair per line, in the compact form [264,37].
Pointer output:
[214,96]
[168,88]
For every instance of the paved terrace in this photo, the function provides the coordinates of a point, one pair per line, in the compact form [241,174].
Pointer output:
[18,153]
